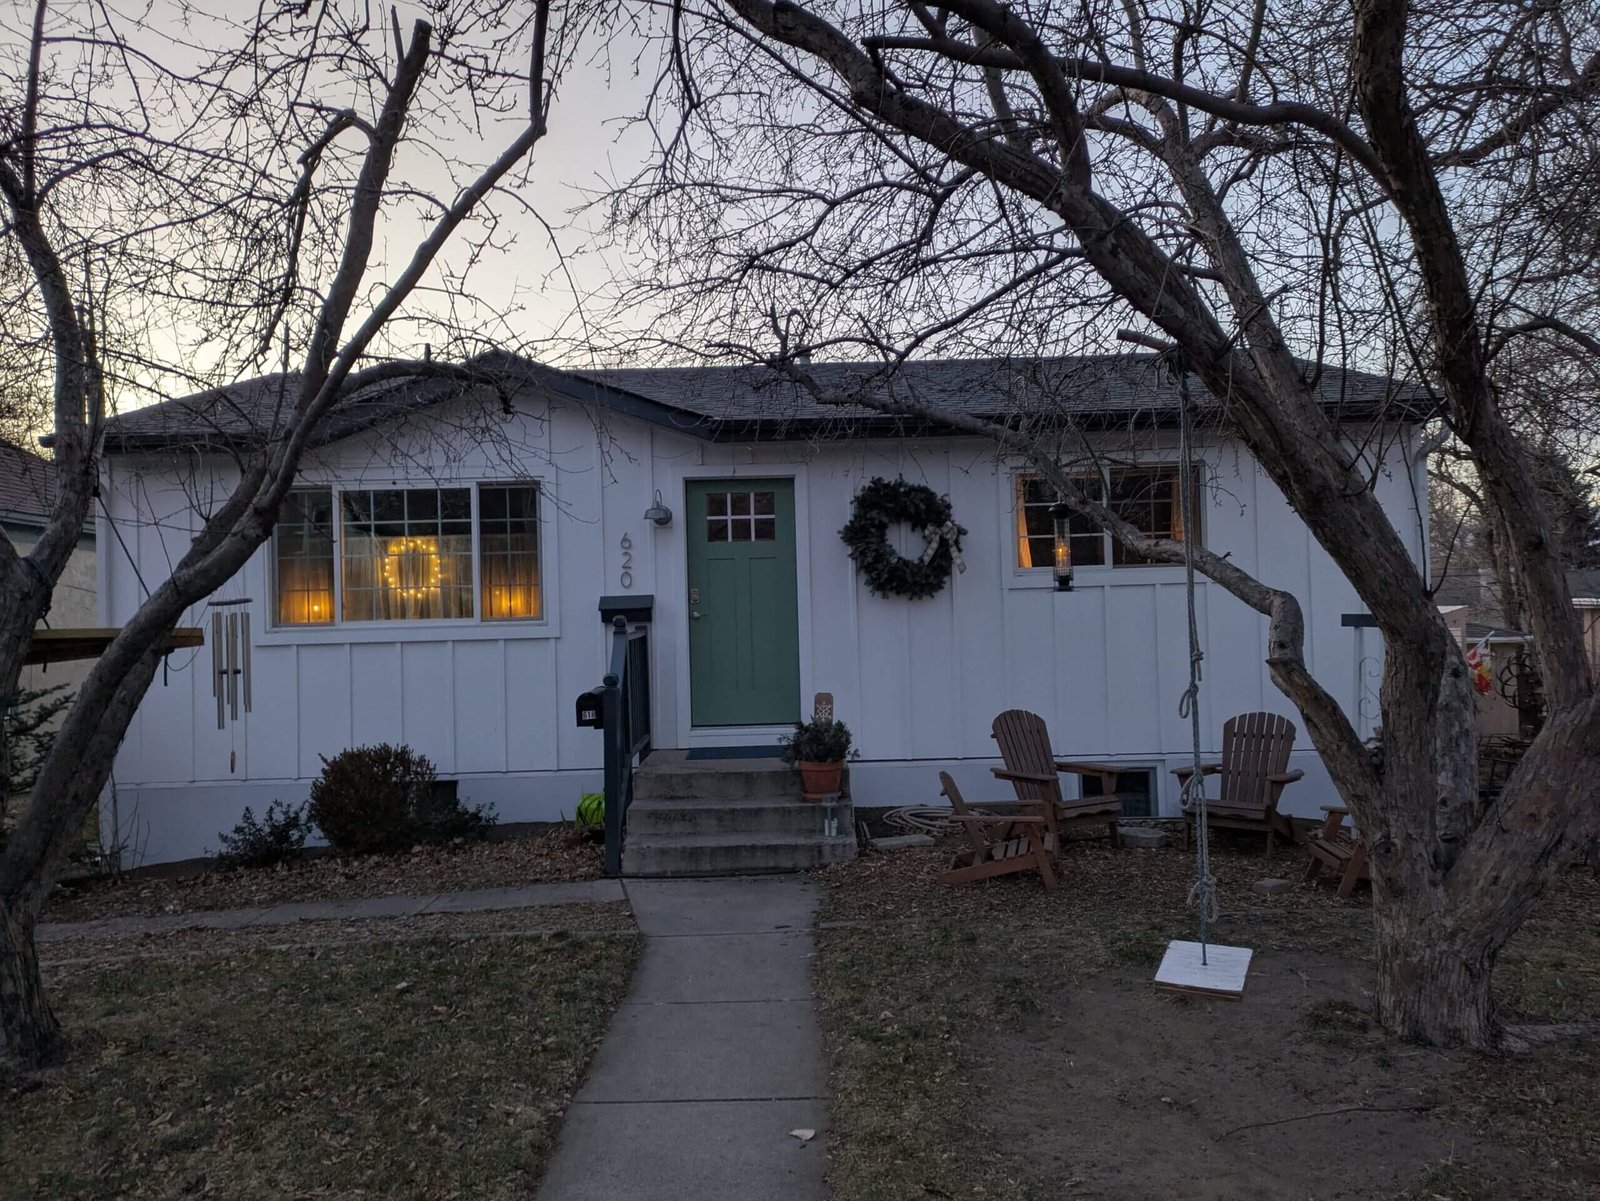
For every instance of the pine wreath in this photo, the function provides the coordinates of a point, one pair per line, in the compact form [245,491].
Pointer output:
[883,503]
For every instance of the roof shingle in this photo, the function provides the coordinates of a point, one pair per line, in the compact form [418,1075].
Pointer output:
[729,403]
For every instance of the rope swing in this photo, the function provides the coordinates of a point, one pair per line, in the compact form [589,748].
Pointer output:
[1196,967]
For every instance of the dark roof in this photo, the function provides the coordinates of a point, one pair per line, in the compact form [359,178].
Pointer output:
[1477,631]
[27,484]
[1092,390]
[254,409]
[746,403]
[1584,584]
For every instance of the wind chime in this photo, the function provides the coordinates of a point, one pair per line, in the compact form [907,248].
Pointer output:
[230,659]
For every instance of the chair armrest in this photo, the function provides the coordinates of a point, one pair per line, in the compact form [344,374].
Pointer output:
[1027,777]
[1288,777]
[1206,769]
[984,819]
[1339,809]
[1089,769]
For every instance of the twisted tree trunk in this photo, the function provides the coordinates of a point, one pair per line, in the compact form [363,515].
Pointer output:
[30,1036]
[1433,975]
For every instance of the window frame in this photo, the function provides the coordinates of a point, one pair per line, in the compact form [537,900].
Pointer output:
[447,628]
[1108,568]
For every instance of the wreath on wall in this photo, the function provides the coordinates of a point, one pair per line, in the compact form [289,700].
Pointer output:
[883,503]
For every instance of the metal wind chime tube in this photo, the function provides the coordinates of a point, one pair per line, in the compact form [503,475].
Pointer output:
[230,659]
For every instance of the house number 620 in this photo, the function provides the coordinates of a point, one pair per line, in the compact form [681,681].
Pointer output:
[627,561]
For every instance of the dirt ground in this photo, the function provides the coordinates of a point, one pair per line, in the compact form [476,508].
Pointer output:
[1117,1091]
[998,1041]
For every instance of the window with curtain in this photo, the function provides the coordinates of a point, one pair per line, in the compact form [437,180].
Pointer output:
[303,555]
[410,554]
[1146,497]
[508,541]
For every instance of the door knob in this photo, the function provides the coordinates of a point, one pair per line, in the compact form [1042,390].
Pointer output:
[695,613]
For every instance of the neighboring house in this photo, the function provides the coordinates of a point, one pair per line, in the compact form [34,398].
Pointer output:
[27,497]
[1585,589]
[1497,714]
[436,577]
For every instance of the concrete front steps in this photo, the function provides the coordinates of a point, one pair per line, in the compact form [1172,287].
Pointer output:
[728,817]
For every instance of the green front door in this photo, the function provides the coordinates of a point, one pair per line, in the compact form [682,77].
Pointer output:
[744,623]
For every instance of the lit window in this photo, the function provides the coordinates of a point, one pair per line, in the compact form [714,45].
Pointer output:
[303,550]
[508,537]
[1036,531]
[1146,497]
[410,554]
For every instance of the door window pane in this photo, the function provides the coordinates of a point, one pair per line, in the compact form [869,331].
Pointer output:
[741,516]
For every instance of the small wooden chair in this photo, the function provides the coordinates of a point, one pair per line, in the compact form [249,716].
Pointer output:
[1340,848]
[1254,771]
[1035,773]
[998,844]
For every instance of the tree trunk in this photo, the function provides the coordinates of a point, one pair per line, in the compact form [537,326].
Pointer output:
[32,1036]
[1433,977]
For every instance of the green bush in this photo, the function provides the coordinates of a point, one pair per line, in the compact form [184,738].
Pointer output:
[277,837]
[385,798]
[820,740]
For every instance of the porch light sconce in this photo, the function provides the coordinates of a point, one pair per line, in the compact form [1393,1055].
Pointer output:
[658,513]
[1061,519]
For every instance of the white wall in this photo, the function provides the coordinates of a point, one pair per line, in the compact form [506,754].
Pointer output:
[919,681]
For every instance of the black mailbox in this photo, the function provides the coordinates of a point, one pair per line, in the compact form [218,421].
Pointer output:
[589,712]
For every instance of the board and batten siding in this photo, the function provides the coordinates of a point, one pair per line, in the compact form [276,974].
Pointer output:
[918,681]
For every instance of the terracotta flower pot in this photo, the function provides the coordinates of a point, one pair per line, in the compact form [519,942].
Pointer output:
[819,779]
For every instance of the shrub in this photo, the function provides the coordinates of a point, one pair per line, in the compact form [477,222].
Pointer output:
[386,798]
[820,740]
[277,837]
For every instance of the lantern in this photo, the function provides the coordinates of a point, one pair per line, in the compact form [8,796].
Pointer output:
[1061,518]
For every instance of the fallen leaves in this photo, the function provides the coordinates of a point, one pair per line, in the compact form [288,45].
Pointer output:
[549,856]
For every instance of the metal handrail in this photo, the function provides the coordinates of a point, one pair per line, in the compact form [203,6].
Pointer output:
[625,728]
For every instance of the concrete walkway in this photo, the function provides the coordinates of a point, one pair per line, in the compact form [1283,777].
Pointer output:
[476,901]
[713,1058]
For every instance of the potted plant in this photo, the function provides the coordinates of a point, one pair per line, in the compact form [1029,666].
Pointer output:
[818,748]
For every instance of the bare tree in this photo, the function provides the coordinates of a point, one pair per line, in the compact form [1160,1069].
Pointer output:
[1265,188]
[184,215]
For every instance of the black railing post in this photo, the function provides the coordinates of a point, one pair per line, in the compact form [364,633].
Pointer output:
[614,738]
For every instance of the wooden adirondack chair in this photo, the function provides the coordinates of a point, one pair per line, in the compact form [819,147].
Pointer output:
[1254,771]
[1340,848]
[998,844]
[1035,773]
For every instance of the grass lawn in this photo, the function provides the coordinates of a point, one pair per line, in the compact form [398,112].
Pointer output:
[426,1068]
[996,1041]
[544,857]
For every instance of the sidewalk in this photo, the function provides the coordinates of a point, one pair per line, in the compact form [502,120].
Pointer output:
[713,1058]
[480,900]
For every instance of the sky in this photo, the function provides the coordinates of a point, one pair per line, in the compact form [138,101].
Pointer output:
[546,274]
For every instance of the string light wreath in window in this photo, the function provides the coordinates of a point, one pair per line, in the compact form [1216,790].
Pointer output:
[411,567]
[883,503]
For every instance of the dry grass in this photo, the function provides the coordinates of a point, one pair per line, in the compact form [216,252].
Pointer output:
[585,918]
[915,980]
[547,857]
[411,1069]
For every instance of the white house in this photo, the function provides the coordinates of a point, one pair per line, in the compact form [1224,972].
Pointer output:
[436,581]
